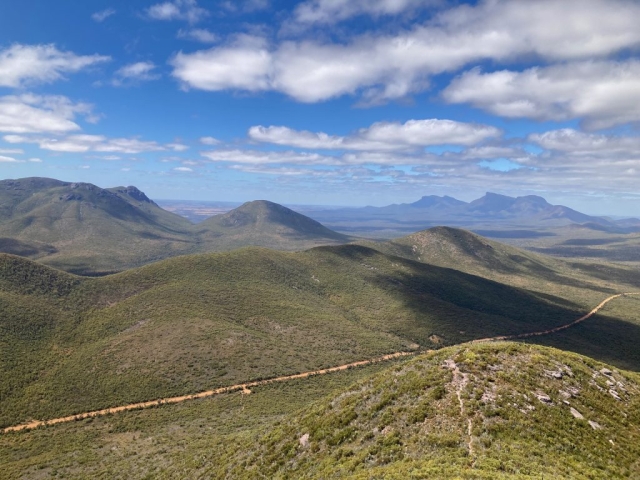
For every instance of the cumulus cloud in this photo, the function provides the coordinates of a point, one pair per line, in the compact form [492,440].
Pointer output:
[603,93]
[209,141]
[492,152]
[82,143]
[29,64]
[332,11]
[177,147]
[381,136]
[305,159]
[4,159]
[392,66]
[245,6]
[576,143]
[135,72]
[11,151]
[187,10]
[201,35]
[183,169]
[259,157]
[102,15]
[244,65]
[40,114]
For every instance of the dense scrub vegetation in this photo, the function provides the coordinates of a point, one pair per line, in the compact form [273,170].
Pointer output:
[490,411]
[196,322]
[401,420]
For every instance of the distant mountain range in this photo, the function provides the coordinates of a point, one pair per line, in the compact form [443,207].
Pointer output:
[82,228]
[490,210]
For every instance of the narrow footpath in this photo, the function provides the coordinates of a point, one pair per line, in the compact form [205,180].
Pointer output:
[245,387]
[556,329]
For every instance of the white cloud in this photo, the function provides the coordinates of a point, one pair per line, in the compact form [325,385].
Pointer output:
[135,72]
[332,11]
[187,10]
[183,169]
[268,170]
[244,65]
[575,143]
[35,160]
[209,141]
[26,64]
[177,147]
[258,157]
[91,143]
[164,11]
[201,35]
[256,5]
[245,6]
[381,136]
[428,132]
[4,159]
[11,151]
[392,66]
[490,152]
[40,114]
[102,15]
[603,93]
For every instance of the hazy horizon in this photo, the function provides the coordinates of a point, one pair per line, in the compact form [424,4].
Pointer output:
[327,102]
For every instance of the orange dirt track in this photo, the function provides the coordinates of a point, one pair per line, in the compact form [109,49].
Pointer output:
[245,387]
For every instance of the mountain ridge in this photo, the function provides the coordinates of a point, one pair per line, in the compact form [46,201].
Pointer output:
[492,209]
[86,229]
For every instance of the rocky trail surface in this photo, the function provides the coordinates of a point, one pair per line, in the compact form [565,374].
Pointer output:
[245,388]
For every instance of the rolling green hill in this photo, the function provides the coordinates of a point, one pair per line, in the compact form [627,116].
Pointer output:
[84,229]
[266,224]
[190,323]
[493,411]
[525,411]
[470,253]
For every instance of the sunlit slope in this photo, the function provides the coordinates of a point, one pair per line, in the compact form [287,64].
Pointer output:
[502,411]
[86,229]
[266,224]
[190,323]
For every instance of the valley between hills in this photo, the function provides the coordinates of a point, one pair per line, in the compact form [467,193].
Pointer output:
[107,300]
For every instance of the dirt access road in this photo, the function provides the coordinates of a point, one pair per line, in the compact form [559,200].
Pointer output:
[245,387]
[556,329]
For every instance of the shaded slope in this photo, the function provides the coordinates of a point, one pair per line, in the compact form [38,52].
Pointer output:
[490,411]
[246,386]
[197,322]
[468,252]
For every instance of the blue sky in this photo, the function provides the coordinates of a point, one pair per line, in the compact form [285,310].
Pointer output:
[345,102]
